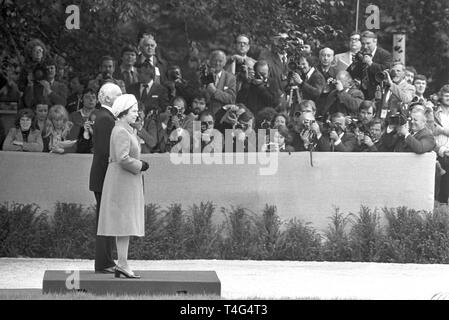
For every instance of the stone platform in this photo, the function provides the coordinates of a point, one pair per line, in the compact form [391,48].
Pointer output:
[154,282]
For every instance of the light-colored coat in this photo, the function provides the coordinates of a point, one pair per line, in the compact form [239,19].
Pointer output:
[122,201]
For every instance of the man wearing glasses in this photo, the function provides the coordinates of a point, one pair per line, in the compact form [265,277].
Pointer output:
[240,64]
[343,60]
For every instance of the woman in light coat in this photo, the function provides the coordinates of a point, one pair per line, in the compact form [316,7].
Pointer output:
[122,202]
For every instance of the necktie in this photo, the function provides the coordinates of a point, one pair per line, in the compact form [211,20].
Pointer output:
[217,78]
[144,92]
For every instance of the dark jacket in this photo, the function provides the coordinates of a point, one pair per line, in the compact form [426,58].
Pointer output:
[346,102]
[313,87]
[157,98]
[421,142]
[257,97]
[104,123]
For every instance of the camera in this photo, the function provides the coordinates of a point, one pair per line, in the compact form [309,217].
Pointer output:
[174,74]
[265,124]
[206,74]
[329,126]
[175,111]
[398,119]
[241,126]
[354,125]
[383,75]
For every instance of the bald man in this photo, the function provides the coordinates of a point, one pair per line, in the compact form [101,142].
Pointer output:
[325,67]
[223,90]
[104,123]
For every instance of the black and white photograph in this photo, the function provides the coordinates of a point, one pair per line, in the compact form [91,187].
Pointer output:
[224,155]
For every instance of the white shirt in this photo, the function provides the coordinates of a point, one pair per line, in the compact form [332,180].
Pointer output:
[442,140]
[217,77]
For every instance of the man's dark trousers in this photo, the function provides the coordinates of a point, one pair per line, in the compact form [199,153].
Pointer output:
[103,245]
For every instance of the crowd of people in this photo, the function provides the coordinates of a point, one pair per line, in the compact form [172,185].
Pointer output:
[355,101]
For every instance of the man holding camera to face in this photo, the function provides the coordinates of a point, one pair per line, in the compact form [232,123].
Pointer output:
[398,92]
[177,86]
[259,92]
[409,134]
[368,62]
[107,70]
[240,64]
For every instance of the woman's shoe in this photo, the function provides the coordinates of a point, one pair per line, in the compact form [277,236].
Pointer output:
[120,271]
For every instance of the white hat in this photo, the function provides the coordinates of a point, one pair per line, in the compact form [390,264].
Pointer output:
[122,103]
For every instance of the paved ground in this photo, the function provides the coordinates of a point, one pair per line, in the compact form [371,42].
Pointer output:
[271,279]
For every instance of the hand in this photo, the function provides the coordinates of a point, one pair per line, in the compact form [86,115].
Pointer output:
[367,140]
[237,58]
[175,122]
[403,130]
[211,88]
[46,85]
[205,137]
[304,135]
[334,136]
[145,166]
[18,143]
[368,60]
[57,149]
[297,79]
[339,86]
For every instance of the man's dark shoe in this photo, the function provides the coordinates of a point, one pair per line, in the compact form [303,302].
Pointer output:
[107,270]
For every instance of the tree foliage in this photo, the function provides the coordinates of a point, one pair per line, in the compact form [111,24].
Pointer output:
[108,24]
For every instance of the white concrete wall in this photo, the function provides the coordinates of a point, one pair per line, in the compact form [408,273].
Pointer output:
[344,180]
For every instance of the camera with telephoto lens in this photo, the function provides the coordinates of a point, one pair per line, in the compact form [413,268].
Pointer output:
[383,75]
[398,119]
[206,75]
[265,124]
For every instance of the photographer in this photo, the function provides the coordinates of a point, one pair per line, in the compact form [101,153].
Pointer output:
[221,85]
[398,91]
[177,85]
[211,139]
[240,64]
[345,96]
[39,89]
[371,141]
[107,69]
[311,82]
[370,61]
[259,92]
[309,133]
[441,133]
[280,141]
[339,139]
[409,134]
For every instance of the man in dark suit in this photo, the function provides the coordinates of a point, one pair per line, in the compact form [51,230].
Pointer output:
[152,97]
[410,137]
[344,98]
[277,60]
[311,82]
[127,72]
[223,90]
[261,91]
[338,138]
[104,123]
[375,60]
[148,47]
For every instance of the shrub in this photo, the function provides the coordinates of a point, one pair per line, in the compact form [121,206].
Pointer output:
[202,236]
[240,239]
[173,236]
[336,245]
[23,231]
[299,242]
[435,242]
[73,231]
[366,238]
[269,232]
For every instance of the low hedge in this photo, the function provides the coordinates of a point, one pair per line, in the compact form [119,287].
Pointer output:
[408,236]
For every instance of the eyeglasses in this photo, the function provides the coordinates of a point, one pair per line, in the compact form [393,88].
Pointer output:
[243,43]
[208,123]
